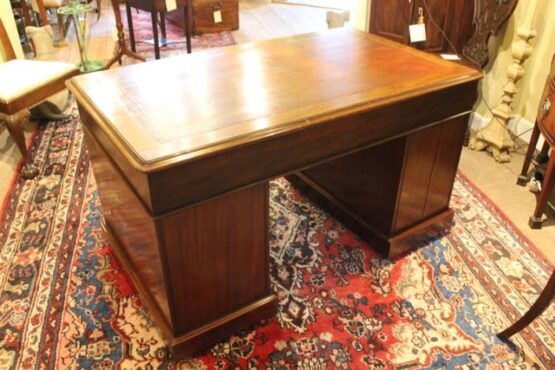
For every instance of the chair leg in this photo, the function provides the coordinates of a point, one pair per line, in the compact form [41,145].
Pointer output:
[25,11]
[547,185]
[163,25]
[98,8]
[155,35]
[523,178]
[537,308]
[130,26]
[14,123]
[61,25]
[188,24]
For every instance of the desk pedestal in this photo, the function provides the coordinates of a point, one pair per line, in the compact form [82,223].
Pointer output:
[396,194]
[202,271]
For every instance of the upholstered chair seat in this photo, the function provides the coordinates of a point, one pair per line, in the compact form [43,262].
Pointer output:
[24,84]
[20,78]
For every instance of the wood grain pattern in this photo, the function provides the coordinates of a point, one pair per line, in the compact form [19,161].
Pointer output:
[204,16]
[391,19]
[397,192]
[5,42]
[272,92]
[198,160]
[490,16]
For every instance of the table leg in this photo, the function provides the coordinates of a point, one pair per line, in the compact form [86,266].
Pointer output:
[130,26]
[188,24]
[154,16]
[523,177]
[535,221]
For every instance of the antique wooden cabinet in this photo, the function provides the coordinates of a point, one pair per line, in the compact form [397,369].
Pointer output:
[391,19]
[204,20]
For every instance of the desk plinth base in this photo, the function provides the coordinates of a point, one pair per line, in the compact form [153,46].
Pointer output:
[388,246]
[205,336]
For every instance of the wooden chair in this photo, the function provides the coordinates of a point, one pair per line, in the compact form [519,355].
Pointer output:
[26,83]
[545,124]
[543,301]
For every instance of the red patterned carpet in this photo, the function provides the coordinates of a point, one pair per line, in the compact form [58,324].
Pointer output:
[142,27]
[66,304]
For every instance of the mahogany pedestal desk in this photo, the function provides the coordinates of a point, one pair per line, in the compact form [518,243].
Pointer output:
[183,148]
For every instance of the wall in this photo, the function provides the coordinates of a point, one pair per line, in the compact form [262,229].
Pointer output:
[9,23]
[530,87]
[362,15]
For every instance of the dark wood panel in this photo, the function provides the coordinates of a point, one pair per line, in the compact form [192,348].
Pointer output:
[437,13]
[138,181]
[204,16]
[367,181]
[233,169]
[420,154]
[390,19]
[219,252]
[131,225]
[396,193]
[445,165]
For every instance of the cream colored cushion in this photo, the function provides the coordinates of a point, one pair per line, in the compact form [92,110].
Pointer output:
[53,3]
[20,77]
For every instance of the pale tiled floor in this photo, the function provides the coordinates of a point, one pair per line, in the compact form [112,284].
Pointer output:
[261,20]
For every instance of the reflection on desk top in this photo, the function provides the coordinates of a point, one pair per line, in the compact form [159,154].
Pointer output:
[177,109]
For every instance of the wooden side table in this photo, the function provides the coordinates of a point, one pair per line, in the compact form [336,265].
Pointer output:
[545,124]
[156,7]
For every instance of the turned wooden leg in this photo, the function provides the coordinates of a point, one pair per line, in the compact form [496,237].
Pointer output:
[155,35]
[537,308]
[547,185]
[14,123]
[523,178]
[61,25]
[130,27]
[542,157]
[25,11]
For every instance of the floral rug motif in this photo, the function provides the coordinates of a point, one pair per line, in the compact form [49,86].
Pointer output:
[65,302]
[142,30]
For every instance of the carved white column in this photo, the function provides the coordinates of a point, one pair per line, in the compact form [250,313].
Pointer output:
[496,137]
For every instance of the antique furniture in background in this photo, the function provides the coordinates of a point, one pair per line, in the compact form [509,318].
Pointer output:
[490,16]
[495,137]
[121,49]
[545,124]
[204,18]
[543,301]
[183,173]
[158,7]
[55,5]
[26,83]
[391,19]
[78,12]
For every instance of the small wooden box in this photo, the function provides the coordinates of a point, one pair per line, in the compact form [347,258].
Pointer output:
[203,15]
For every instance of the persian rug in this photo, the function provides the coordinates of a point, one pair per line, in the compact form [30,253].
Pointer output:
[65,302]
[142,29]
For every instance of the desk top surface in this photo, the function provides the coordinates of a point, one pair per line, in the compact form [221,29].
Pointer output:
[165,112]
